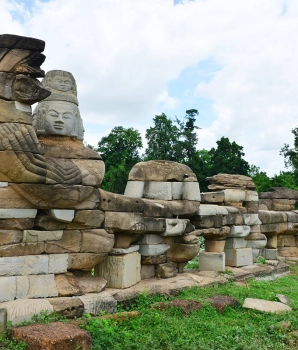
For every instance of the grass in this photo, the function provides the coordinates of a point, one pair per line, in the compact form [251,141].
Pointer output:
[205,329]
[235,329]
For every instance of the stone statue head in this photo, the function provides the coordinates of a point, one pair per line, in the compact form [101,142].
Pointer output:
[60,81]
[60,118]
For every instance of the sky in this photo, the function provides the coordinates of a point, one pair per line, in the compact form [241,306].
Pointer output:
[236,62]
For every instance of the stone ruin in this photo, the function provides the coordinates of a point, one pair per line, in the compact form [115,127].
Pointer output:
[64,241]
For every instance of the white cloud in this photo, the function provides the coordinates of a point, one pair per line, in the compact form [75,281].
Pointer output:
[123,55]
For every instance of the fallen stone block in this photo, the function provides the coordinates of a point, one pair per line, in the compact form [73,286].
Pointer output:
[67,307]
[212,261]
[265,305]
[21,310]
[270,254]
[53,336]
[95,303]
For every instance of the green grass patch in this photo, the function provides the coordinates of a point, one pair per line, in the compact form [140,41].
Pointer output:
[238,329]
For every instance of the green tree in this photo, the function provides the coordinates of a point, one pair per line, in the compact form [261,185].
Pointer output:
[260,178]
[120,152]
[200,163]
[227,158]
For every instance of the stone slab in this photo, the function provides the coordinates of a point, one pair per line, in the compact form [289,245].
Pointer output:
[87,219]
[84,261]
[118,202]
[64,215]
[96,241]
[251,196]
[251,219]
[153,249]
[158,190]
[67,306]
[258,244]
[21,310]
[212,261]
[169,209]
[58,263]
[19,249]
[234,195]
[270,254]
[235,242]
[70,243]
[213,197]
[10,236]
[147,271]
[179,252]
[151,239]
[239,231]
[8,288]
[265,305]
[214,246]
[134,189]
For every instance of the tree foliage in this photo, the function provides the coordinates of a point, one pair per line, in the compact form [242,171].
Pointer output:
[227,158]
[120,152]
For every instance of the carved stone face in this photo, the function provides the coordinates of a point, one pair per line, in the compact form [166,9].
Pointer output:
[61,83]
[61,118]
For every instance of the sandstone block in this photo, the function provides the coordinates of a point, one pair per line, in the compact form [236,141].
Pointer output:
[292,216]
[283,204]
[117,202]
[131,249]
[251,219]
[45,223]
[87,219]
[134,189]
[17,213]
[255,229]
[213,197]
[272,217]
[251,196]
[289,241]
[265,204]
[235,242]
[270,254]
[67,285]
[271,242]
[158,190]
[188,239]
[288,251]
[153,249]
[280,241]
[67,307]
[53,336]
[214,233]
[265,305]
[166,270]
[94,304]
[252,207]
[279,192]
[256,236]
[212,261]
[36,286]
[92,171]
[239,257]
[214,246]
[10,114]
[274,229]
[221,181]
[147,271]
[207,209]
[239,231]
[44,196]
[153,260]
[16,224]
[96,241]
[234,195]
[259,244]
[124,241]
[133,223]
[169,209]
[21,310]
[58,263]
[41,236]
[207,221]
[161,170]
[19,249]
[183,252]
[84,261]
[151,239]
[8,289]
[91,284]
[190,191]
[120,271]
[10,236]
[292,228]
[24,265]
[64,215]
[175,227]
[70,243]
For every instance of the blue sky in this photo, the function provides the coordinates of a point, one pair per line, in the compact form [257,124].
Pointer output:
[234,61]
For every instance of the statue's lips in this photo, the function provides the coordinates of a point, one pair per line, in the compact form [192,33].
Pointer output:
[58,126]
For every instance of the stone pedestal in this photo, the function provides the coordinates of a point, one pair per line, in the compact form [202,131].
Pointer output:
[239,257]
